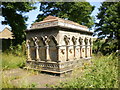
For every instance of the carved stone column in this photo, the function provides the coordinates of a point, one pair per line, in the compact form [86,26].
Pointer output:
[28,50]
[86,51]
[67,50]
[74,45]
[80,51]
[66,39]
[90,41]
[47,40]
[80,42]
[91,51]
[58,54]
[47,53]
[37,53]
[86,45]
[37,48]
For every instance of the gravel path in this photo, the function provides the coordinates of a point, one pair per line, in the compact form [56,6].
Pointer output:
[23,77]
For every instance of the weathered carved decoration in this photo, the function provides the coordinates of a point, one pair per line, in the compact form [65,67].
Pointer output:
[54,39]
[47,40]
[57,45]
[41,40]
[67,40]
[81,43]
[37,47]
[80,40]
[90,41]
[35,39]
[86,41]
[62,51]
[47,24]
[70,50]
[74,40]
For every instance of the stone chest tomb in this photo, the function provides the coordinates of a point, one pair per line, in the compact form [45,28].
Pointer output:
[57,45]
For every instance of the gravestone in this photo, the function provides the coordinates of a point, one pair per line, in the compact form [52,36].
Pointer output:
[56,45]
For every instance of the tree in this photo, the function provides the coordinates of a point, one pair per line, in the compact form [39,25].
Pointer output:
[109,24]
[75,11]
[12,12]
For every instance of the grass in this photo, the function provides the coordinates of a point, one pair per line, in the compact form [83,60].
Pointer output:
[10,61]
[6,82]
[103,73]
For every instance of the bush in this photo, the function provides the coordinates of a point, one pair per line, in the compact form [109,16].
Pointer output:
[12,61]
[103,73]
[105,46]
[14,57]
[18,50]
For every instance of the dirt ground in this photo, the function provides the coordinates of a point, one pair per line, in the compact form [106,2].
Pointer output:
[41,80]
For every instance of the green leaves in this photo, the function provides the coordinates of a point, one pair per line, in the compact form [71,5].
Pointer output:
[103,73]
[109,23]
[75,11]
[12,12]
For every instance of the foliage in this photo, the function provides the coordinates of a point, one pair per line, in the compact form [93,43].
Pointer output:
[14,57]
[12,61]
[74,11]
[103,73]
[12,12]
[97,46]
[18,50]
[6,82]
[109,25]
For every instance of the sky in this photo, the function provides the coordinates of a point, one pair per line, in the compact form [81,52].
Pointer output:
[33,14]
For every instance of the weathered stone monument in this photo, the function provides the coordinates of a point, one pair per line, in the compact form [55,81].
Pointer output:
[57,45]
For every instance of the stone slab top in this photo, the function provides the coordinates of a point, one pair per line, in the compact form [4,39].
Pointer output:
[52,21]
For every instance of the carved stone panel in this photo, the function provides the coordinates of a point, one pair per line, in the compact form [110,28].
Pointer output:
[62,54]
[77,53]
[70,53]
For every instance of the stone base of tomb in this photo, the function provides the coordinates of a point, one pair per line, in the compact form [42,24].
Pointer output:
[55,67]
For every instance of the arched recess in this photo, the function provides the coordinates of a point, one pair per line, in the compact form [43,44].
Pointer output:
[81,43]
[32,49]
[53,51]
[42,51]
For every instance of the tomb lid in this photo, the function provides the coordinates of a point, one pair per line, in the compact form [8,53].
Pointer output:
[52,21]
